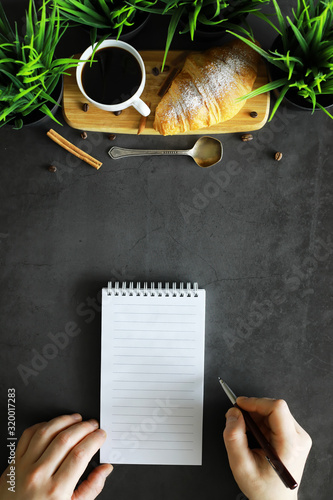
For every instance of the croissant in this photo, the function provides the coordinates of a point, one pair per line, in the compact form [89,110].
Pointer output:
[205,91]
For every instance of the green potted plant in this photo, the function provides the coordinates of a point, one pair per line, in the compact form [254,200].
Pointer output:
[104,18]
[301,57]
[30,75]
[195,16]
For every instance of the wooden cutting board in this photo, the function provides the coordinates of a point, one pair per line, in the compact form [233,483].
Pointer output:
[127,122]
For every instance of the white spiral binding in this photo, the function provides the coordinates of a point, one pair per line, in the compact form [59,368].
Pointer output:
[175,291]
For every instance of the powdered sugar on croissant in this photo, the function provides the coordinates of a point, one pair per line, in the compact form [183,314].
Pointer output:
[205,91]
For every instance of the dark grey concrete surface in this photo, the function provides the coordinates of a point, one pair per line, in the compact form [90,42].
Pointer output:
[255,233]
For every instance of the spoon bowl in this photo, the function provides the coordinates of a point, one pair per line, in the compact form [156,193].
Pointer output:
[206,152]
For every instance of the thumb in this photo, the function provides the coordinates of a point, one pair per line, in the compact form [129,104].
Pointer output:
[93,485]
[235,440]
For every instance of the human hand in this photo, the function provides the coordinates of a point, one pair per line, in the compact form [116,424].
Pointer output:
[252,472]
[52,456]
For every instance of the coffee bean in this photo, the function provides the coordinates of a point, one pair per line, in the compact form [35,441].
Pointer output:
[112,137]
[52,168]
[155,71]
[278,156]
[165,69]
[117,113]
[84,135]
[247,137]
[85,107]
[253,114]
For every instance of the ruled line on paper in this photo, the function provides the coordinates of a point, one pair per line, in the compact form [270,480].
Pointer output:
[155,390]
[160,432]
[135,406]
[152,356]
[153,373]
[157,381]
[154,331]
[159,339]
[124,304]
[148,415]
[140,421]
[158,440]
[153,347]
[129,313]
[171,399]
[157,322]
[149,364]
[159,449]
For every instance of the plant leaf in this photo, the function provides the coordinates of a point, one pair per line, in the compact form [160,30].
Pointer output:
[325,110]
[44,109]
[264,88]
[282,23]
[262,52]
[279,100]
[171,31]
[300,38]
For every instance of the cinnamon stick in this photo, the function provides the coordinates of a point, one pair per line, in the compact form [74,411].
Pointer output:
[143,121]
[57,138]
[167,82]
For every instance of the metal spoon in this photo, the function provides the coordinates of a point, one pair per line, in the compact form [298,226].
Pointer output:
[206,152]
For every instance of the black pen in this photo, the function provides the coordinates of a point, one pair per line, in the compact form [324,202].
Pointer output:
[270,453]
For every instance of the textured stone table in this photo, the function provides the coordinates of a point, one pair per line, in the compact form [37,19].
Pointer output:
[254,232]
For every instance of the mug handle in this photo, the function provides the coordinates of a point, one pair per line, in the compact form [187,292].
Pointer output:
[141,107]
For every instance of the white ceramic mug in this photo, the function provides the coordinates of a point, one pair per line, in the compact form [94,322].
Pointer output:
[135,100]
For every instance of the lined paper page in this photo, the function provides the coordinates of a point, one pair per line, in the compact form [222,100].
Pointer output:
[152,379]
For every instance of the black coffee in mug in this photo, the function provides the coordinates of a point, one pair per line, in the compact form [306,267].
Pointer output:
[114,77]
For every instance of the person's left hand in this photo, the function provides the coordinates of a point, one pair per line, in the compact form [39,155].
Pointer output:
[52,456]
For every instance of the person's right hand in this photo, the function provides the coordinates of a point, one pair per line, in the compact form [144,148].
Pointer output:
[252,472]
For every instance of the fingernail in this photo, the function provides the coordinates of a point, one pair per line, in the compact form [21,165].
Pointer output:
[76,416]
[101,432]
[108,472]
[232,415]
[93,422]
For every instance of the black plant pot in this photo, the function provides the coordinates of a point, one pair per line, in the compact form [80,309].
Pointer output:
[128,32]
[37,117]
[292,97]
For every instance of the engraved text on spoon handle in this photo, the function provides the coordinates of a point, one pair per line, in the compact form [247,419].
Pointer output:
[116,152]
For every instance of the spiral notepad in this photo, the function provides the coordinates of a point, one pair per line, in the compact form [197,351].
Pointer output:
[152,373]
